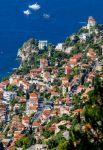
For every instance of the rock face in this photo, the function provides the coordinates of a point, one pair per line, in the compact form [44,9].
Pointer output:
[26,51]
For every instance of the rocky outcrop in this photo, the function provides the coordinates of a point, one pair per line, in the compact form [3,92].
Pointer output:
[26,51]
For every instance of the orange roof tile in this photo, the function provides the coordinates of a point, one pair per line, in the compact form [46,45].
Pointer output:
[36,124]
[34,94]
[33,107]
[78,110]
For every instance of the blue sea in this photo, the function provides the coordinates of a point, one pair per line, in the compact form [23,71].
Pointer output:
[16,28]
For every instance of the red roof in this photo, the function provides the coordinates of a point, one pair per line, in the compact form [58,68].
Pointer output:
[34,94]
[5,82]
[33,107]
[36,70]
[54,93]
[36,124]
[78,110]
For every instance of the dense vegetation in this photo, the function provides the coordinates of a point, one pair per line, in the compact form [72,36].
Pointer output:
[92,137]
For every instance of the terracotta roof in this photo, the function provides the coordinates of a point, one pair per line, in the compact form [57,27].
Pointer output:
[84,65]
[33,107]
[46,111]
[54,93]
[25,117]
[92,73]
[65,78]
[2,136]
[78,110]
[36,124]
[36,70]
[34,94]
[5,82]
[88,126]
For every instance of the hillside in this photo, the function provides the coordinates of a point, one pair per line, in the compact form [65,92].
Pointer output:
[54,99]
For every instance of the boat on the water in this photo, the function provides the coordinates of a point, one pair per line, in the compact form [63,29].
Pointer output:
[35,6]
[27,12]
[46,15]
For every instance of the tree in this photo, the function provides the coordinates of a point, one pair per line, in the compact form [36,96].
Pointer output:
[13,102]
[92,136]
[62,127]
[26,142]
[52,143]
[63,145]
[55,140]
[47,133]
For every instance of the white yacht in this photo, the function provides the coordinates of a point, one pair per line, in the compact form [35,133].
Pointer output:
[27,12]
[35,6]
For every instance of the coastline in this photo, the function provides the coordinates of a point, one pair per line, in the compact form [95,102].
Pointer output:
[44,100]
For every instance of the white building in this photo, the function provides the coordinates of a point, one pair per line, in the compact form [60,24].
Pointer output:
[7,95]
[42,44]
[59,47]
[41,147]
[83,36]
[91,22]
